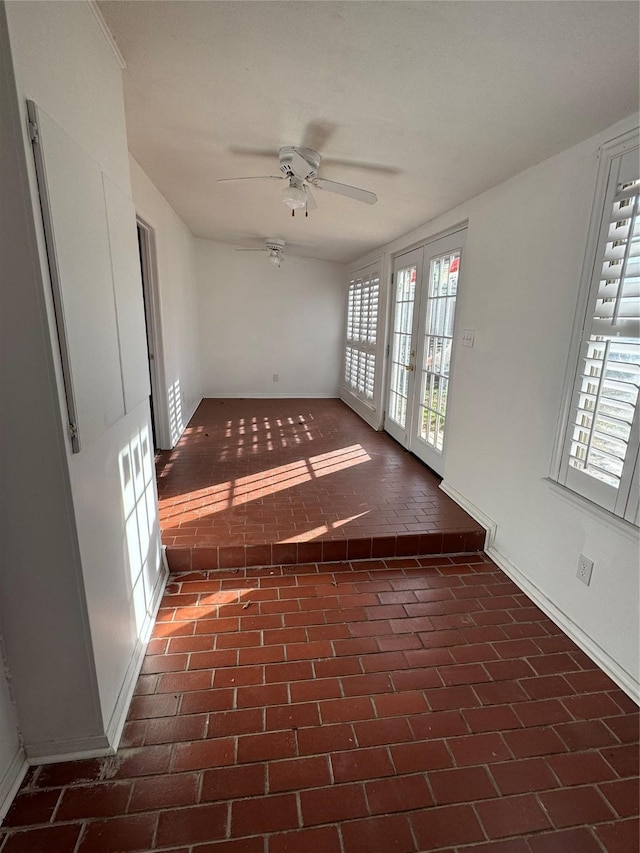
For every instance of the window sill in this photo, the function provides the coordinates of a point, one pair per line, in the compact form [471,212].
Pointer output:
[627,528]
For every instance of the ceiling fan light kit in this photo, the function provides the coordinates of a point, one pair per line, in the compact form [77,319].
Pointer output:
[274,247]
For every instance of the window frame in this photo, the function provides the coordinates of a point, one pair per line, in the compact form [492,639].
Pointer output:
[626,505]
[366,347]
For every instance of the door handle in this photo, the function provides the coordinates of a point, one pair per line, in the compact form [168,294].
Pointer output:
[409,367]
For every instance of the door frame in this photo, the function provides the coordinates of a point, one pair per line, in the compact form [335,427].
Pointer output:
[419,322]
[153,319]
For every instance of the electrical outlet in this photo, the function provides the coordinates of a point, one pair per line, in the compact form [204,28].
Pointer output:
[585,568]
[276,377]
[468,337]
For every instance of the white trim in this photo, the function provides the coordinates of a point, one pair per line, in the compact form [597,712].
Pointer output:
[106,32]
[11,781]
[370,414]
[607,664]
[489,524]
[153,322]
[626,528]
[119,715]
[70,749]
[288,395]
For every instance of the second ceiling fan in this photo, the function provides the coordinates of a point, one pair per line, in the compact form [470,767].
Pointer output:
[299,168]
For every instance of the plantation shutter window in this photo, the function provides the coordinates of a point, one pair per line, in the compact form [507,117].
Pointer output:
[600,454]
[362,324]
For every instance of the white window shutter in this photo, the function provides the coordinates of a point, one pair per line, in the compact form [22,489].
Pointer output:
[362,324]
[601,441]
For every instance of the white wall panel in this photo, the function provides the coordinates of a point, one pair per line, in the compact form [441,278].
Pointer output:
[82,251]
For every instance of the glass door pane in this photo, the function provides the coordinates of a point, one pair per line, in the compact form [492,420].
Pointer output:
[407,274]
[435,349]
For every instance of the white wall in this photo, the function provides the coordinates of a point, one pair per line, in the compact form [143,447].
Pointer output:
[520,279]
[177,315]
[91,574]
[257,320]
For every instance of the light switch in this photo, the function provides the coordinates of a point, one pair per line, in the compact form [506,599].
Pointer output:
[468,337]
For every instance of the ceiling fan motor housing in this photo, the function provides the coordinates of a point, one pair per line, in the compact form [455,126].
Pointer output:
[274,245]
[299,162]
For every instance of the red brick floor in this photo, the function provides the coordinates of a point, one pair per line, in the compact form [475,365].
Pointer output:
[260,482]
[382,706]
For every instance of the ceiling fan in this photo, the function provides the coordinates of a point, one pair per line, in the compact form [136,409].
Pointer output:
[299,167]
[274,246]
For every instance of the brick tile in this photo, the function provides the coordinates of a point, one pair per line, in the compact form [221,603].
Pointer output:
[266,746]
[178,789]
[238,845]
[438,724]
[563,841]
[326,739]
[243,721]
[145,707]
[192,825]
[397,794]
[175,729]
[292,716]
[626,728]
[261,695]
[574,806]
[285,672]
[493,718]
[53,839]
[625,760]
[590,706]
[319,688]
[378,835]
[367,684]
[96,800]
[206,700]
[273,813]
[500,693]
[346,710]
[386,731]
[204,753]
[419,757]
[31,807]
[519,777]
[543,712]
[123,834]
[329,805]
[461,785]
[623,795]
[578,768]
[585,734]
[143,761]
[321,839]
[359,764]
[478,749]
[443,826]
[534,741]
[511,816]
[227,783]
[399,704]
[298,773]
[446,698]
[620,837]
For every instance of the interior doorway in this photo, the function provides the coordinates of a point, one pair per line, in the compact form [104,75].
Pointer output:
[146,247]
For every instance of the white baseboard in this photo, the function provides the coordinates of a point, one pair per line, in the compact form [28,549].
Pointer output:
[119,715]
[368,413]
[607,664]
[489,524]
[272,395]
[11,781]
[72,749]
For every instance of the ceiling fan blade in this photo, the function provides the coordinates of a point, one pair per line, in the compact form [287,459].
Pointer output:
[311,202]
[252,250]
[251,178]
[317,134]
[344,189]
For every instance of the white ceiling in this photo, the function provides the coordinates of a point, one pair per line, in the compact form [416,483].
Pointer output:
[425,103]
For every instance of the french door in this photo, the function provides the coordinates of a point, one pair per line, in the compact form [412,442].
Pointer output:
[421,347]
